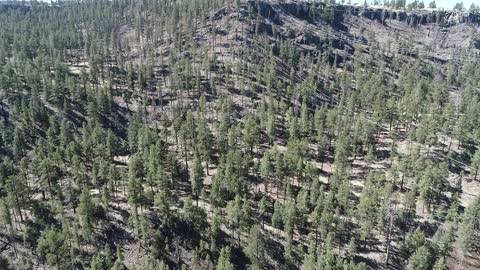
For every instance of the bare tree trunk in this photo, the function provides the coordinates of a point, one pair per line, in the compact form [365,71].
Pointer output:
[186,157]
[389,238]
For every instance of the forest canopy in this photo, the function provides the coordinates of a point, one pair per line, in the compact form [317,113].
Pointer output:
[217,134]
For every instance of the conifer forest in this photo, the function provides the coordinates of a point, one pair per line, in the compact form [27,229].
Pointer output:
[239,134]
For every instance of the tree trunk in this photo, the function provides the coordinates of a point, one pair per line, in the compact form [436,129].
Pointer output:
[196,196]
[151,187]
[160,98]
[206,165]
[389,240]
[238,233]
[19,210]
[186,157]
[50,188]
[176,140]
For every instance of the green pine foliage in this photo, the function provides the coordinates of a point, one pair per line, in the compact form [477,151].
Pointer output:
[234,135]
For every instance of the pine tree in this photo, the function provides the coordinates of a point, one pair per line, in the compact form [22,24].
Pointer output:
[214,231]
[271,126]
[277,217]
[419,260]
[5,216]
[255,248]
[440,264]
[195,216]
[369,204]
[204,141]
[234,209]
[262,209]
[317,218]
[476,163]
[250,133]
[86,213]
[197,177]
[413,241]
[18,190]
[224,260]
[118,265]
[280,168]
[469,227]
[96,263]
[290,219]
[185,135]
[107,254]
[443,239]
[246,214]
[106,197]
[352,248]
[309,262]
[19,143]
[293,130]
[135,188]
[266,168]
[51,248]
[162,202]
[49,175]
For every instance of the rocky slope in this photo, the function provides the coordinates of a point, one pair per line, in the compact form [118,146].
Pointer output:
[231,65]
[442,35]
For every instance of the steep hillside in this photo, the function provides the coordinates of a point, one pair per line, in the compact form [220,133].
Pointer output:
[238,135]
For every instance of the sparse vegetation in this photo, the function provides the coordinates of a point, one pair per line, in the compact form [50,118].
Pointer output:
[221,134]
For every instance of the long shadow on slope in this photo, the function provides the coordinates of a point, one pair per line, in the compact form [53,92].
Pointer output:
[275,250]
[369,262]
[119,122]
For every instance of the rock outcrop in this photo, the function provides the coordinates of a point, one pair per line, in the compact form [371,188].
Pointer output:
[334,14]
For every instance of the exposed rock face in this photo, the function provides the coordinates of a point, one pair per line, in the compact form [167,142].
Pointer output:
[414,18]
[443,35]
[9,6]
[314,11]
